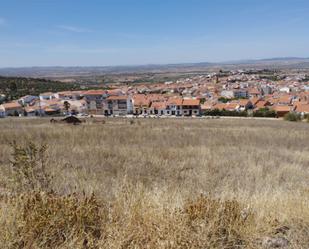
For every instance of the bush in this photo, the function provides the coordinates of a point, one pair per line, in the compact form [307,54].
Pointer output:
[28,167]
[265,112]
[217,112]
[292,116]
[51,221]
[226,221]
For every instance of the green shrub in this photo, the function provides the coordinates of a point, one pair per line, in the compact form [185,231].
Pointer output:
[217,112]
[265,112]
[292,116]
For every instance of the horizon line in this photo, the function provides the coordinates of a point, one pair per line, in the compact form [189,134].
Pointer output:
[162,64]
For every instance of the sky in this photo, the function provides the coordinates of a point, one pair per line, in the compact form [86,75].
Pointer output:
[136,32]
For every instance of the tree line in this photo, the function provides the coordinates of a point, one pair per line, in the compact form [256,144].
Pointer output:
[15,87]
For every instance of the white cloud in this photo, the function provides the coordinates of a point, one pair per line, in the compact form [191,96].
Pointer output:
[73,29]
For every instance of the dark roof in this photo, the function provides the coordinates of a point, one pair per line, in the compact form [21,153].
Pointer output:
[71,120]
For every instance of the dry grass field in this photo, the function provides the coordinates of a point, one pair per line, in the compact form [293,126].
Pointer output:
[154,183]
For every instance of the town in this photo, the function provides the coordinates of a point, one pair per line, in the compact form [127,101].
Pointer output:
[256,93]
[154,124]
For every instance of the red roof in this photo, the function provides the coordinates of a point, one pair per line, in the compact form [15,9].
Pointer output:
[94,92]
[174,101]
[114,92]
[254,91]
[255,100]
[122,97]
[261,104]
[282,108]
[141,100]
[244,102]
[225,106]
[302,108]
[192,102]
[285,99]
[158,105]
[206,106]
[32,108]
[11,106]
[231,106]
[219,106]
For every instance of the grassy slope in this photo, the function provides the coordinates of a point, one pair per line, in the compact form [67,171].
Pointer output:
[149,176]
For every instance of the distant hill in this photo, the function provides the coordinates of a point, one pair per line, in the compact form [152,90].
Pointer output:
[285,59]
[65,72]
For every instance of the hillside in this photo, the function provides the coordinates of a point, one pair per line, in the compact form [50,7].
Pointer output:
[15,87]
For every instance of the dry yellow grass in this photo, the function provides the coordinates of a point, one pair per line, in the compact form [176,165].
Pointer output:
[176,183]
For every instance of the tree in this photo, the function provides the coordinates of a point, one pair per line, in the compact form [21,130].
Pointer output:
[13,87]
[66,106]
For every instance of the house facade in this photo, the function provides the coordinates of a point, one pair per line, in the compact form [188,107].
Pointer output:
[118,105]
[157,108]
[191,107]
[47,96]
[241,93]
[11,109]
[94,100]
[173,107]
[245,104]
[32,111]
[141,104]
[282,110]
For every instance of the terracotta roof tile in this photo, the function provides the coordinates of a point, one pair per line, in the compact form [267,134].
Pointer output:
[121,97]
[12,105]
[158,105]
[302,108]
[192,102]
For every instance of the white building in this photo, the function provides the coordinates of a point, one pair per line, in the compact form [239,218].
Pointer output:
[118,105]
[241,93]
[227,94]
[284,89]
[47,96]
[11,109]
[173,107]
[2,112]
